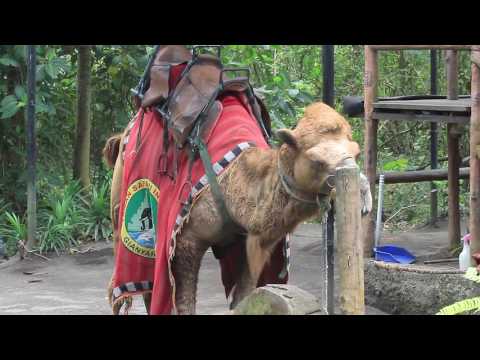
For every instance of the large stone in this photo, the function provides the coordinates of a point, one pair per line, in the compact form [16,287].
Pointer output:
[415,289]
[279,300]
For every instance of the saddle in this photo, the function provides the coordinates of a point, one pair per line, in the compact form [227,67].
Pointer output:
[193,99]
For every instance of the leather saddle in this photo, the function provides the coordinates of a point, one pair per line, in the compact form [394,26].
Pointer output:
[159,73]
[195,96]
[193,100]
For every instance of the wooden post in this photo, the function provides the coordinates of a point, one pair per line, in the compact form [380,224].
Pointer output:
[371,126]
[453,155]
[349,254]
[31,149]
[475,154]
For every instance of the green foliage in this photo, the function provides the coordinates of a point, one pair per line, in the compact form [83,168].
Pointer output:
[13,230]
[461,307]
[97,213]
[61,218]
[288,77]
[67,216]
[396,165]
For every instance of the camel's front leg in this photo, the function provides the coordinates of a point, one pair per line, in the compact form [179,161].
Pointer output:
[258,252]
[186,266]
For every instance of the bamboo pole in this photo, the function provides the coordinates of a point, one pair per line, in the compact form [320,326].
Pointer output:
[475,155]
[371,126]
[349,254]
[420,47]
[453,154]
[404,177]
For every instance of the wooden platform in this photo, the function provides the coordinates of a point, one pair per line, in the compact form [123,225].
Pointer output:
[430,110]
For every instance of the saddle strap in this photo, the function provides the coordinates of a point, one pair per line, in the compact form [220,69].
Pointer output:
[228,224]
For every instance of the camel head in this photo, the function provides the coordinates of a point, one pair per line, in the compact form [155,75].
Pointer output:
[321,142]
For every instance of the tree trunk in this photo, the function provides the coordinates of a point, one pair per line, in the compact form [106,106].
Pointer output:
[371,127]
[81,155]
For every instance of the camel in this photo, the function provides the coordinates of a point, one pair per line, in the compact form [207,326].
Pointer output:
[269,192]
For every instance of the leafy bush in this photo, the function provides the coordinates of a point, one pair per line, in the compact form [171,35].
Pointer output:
[4,206]
[61,217]
[13,231]
[97,213]
[67,215]
[72,214]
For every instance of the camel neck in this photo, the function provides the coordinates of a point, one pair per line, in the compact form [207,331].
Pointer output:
[300,205]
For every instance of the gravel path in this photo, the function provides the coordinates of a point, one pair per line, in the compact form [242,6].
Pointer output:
[75,284]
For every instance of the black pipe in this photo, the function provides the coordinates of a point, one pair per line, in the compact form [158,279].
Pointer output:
[31,147]
[329,99]
[328,75]
[433,139]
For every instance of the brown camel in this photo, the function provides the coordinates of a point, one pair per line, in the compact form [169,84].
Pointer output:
[268,191]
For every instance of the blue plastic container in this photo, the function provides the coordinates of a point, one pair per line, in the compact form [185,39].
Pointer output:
[393,254]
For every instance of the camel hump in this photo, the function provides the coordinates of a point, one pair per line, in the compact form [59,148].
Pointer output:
[111,149]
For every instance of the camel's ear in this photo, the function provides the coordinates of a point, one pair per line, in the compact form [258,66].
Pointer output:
[287,137]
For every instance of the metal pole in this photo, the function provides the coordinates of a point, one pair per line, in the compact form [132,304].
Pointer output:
[379,227]
[31,148]
[329,99]
[433,140]
[328,75]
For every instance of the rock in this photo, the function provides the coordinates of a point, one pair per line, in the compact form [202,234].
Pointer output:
[415,289]
[279,300]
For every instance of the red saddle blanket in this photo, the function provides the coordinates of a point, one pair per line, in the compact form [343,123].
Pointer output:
[153,210]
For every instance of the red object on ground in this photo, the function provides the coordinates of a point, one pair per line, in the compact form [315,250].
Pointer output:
[152,210]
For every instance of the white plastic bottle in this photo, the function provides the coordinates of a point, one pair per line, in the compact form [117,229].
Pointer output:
[464,258]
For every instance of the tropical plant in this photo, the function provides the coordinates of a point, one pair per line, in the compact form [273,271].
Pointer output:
[96,212]
[62,218]
[13,231]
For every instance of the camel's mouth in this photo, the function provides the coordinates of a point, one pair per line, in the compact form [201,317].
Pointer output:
[329,183]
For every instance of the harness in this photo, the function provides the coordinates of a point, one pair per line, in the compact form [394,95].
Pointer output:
[189,108]
[290,187]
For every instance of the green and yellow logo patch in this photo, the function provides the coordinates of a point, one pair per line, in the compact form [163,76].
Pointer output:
[140,220]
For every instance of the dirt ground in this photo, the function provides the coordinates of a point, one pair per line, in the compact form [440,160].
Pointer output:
[75,284]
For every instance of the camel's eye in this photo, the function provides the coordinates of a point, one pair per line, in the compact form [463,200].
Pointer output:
[317,164]
[316,159]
